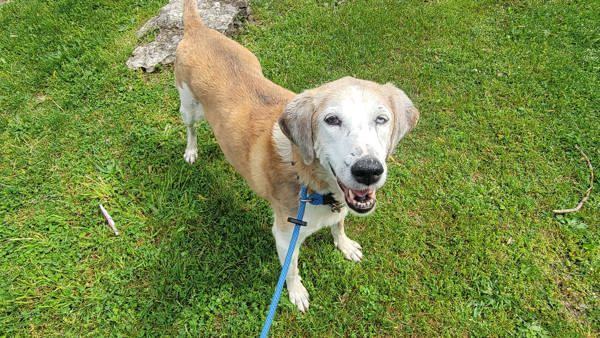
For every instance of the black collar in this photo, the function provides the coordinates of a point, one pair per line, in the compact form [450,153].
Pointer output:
[335,206]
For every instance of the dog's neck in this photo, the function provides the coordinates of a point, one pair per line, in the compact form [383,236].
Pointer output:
[313,175]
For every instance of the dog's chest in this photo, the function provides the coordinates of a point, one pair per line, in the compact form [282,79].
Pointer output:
[319,216]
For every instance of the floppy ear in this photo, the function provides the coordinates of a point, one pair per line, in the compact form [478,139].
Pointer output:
[406,115]
[296,124]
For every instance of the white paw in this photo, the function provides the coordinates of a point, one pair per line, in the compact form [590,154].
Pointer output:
[190,155]
[298,295]
[351,250]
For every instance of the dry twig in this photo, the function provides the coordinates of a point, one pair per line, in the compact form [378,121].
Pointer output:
[587,192]
[109,220]
[58,105]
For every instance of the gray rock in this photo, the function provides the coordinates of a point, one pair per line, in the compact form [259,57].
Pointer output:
[219,15]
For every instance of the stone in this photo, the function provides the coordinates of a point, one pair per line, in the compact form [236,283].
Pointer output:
[223,16]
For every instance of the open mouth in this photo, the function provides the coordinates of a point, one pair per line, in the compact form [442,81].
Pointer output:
[361,201]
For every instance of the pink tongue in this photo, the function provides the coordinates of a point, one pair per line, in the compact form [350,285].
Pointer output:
[360,193]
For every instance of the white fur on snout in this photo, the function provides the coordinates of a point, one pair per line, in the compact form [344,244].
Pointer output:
[349,160]
[359,135]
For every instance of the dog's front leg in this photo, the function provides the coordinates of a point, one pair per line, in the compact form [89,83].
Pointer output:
[296,291]
[351,249]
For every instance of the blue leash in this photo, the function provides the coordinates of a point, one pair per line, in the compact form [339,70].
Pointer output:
[314,199]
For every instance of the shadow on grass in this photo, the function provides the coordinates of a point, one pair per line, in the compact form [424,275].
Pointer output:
[215,255]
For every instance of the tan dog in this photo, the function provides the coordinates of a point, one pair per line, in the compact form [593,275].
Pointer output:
[334,138]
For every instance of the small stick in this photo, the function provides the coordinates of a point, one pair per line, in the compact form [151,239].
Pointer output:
[587,192]
[109,220]
[59,107]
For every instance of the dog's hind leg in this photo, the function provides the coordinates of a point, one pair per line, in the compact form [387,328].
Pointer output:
[191,112]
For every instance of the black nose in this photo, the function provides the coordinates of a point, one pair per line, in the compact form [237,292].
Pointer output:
[367,170]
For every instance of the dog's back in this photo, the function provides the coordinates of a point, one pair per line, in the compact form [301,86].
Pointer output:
[227,67]
[222,81]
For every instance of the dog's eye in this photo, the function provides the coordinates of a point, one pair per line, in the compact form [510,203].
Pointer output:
[333,120]
[381,119]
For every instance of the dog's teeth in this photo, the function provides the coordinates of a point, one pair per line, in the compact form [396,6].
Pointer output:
[364,205]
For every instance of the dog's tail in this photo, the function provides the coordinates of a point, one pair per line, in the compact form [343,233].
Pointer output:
[191,18]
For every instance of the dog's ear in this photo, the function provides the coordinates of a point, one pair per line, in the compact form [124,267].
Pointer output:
[406,115]
[296,124]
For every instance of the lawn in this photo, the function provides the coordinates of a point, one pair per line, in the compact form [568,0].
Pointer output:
[464,242]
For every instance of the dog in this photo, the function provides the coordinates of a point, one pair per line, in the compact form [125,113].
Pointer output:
[335,139]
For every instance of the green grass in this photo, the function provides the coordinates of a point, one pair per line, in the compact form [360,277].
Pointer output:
[463,243]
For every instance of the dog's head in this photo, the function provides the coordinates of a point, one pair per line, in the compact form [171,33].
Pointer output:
[350,127]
